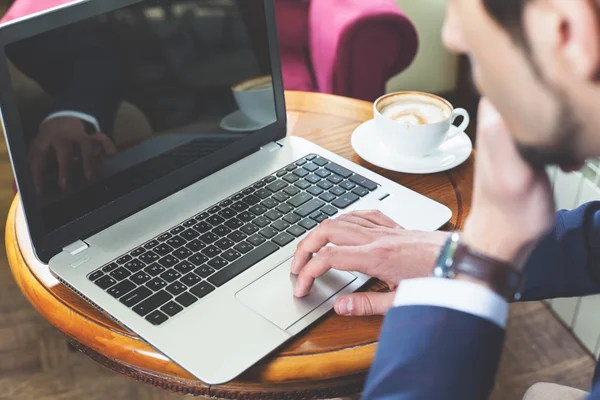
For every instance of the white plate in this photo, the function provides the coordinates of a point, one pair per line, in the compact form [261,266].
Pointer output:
[450,155]
[238,122]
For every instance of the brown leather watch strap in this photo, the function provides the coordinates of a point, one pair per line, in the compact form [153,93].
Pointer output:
[502,277]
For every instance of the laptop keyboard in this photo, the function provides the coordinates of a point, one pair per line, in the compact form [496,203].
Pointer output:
[186,263]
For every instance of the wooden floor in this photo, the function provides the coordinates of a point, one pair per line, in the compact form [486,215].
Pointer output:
[36,363]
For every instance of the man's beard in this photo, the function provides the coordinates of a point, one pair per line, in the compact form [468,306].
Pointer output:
[563,150]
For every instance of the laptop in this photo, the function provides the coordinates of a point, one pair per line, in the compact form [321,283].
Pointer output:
[191,247]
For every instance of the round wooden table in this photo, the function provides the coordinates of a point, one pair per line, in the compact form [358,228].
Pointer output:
[329,360]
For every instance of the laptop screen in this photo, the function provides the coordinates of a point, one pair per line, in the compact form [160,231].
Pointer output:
[113,103]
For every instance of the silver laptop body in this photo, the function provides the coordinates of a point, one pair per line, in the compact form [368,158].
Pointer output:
[231,325]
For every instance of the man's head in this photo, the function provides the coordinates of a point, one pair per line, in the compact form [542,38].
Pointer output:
[538,61]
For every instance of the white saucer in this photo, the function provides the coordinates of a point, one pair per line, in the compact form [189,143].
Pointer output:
[238,122]
[450,155]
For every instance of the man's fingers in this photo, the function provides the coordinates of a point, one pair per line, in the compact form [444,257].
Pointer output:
[107,145]
[343,258]
[64,155]
[356,220]
[37,163]
[376,217]
[331,231]
[90,158]
[364,304]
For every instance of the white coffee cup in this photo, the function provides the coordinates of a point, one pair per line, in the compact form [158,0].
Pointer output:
[416,124]
[256,100]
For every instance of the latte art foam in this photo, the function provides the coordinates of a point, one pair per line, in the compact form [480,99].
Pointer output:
[416,113]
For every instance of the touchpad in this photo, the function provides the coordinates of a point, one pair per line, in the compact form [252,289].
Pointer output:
[272,295]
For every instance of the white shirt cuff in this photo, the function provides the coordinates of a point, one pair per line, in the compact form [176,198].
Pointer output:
[467,297]
[76,114]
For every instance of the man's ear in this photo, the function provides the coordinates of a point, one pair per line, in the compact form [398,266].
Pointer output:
[579,35]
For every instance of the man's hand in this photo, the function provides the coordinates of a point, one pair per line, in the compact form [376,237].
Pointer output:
[367,242]
[65,138]
[512,204]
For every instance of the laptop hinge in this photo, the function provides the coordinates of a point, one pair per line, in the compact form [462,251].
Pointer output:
[76,247]
[272,146]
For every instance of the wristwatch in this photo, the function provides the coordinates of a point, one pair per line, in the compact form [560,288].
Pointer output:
[456,258]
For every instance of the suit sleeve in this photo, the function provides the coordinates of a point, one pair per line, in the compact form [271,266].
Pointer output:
[566,263]
[76,66]
[430,352]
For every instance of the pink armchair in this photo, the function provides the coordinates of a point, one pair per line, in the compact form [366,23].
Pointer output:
[344,47]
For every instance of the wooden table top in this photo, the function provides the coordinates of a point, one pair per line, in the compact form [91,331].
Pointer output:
[330,359]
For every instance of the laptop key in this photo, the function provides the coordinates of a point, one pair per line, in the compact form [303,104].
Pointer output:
[120,274]
[347,185]
[176,288]
[238,196]
[310,167]
[251,200]
[256,240]
[195,245]
[309,207]
[281,197]
[296,231]
[134,297]
[164,236]
[243,247]
[214,210]
[315,191]
[320,161]
[291,178]
[261,222]
[189,234]
[149,257]
[283,238]
[311,157]
[262,193]
[124,259]
[346,200]
[217,263]
[231,255]
[239,206]
[198,259]
[186,299]
[190,279]
[273,215]
[301,172]
[364,182]
[268,232]
[323,173]
[162,249]
[105,282]
[302,184]
[293,190]
[170,275]
[155,269]
[249,229]
[211,251]
[290,168]
[202,216]
[227,213]
[277,186]
[248,191]
[96,275]
[243,263]
[334,179]
[224,243]
[209,238]
[307,224]
[280,225]
[215,220]
[301,162]
[189,223]
[281,173]
[152,302]
[177,230]
[237,236]
[171,308]
[140,277]
[269,203]
[234,223]
[150,245]
[137,251]
[338,170]
[221,230]
[225,203]
[156,284]
[202,289]
[184,267]
[134,265]
[204,271]
[337,191]
[110,267]
[284,208]
[325,185]
[258,209]
[360,191]
[121,289]
[269,179]
[312,179]
[203,227]
[329,210]
[176,242]
[156,318]
[168,261]
[291,218]
[246,216]
[318,216]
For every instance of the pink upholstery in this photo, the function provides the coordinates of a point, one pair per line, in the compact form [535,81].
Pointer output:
[345,47]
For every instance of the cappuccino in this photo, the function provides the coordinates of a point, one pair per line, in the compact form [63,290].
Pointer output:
[415,109]
[263,82]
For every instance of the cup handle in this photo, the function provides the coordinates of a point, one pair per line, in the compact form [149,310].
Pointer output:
[459,112]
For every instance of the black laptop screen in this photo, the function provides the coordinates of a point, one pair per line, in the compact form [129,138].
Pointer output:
[113,103]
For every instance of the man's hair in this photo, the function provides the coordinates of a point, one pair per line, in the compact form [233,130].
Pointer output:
[509,14]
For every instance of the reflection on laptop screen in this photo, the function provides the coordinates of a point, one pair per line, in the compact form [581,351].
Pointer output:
[112,103]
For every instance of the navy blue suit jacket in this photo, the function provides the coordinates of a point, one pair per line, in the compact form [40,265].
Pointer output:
[438,353]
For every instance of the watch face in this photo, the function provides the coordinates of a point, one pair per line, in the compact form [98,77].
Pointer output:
[446,258]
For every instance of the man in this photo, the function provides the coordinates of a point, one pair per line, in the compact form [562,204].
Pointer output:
[537,63]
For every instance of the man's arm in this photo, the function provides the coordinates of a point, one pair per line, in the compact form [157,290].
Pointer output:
[566,262]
